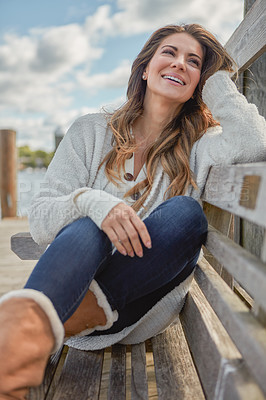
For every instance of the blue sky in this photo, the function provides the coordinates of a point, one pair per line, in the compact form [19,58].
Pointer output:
[63,58]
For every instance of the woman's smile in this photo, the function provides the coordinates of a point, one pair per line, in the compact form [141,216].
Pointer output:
[174,79]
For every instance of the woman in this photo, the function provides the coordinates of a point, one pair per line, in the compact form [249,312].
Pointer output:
[120,205]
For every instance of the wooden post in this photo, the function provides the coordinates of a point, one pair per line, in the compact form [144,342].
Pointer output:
[8,173]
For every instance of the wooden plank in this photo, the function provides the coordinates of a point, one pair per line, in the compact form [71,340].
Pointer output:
[248,41]
[81,376]
[263,248]
[117,383]
[213,351]
[243,295]
[240,386]
[248,335]
[57,374]
[139,383]
[25,248]
[218,218]
[259,311]
[223,373]
[247,269]
[221,220]
[252,237]
[40,392]
[175,372]
[228,186]
[254,84]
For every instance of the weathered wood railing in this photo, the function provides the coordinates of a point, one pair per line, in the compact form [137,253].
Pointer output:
[217,350]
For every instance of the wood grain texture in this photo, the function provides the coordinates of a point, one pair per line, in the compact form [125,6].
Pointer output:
[248,41]
[81,376]
[213,351]
[248,335]
[243,295]
[139,383]
[252,237]
[175,372]
[259,311]
[254,87]
[224,189]
[247,269]
[41,392]
[117,383]
[223,221]
[240,385]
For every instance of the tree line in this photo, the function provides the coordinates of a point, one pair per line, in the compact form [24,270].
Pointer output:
[33,158]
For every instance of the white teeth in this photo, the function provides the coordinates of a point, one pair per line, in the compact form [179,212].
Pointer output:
[172,78]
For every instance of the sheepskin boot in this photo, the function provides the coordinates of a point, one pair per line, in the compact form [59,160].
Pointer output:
[27,339]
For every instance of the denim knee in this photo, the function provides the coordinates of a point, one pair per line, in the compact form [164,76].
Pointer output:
[195,214]
[177,217]
[83,233]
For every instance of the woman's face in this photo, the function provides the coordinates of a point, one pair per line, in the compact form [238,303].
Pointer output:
[174,71]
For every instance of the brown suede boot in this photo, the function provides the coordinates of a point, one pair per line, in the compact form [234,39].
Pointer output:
[26,342]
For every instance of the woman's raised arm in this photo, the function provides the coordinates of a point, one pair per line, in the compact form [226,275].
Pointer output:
[240,138]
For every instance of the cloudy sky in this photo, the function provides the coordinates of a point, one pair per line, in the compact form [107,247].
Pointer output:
[60,59]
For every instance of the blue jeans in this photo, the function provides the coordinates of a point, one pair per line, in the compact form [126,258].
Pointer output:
[82,252]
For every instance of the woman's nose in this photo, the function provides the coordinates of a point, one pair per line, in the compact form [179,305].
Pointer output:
[179,63]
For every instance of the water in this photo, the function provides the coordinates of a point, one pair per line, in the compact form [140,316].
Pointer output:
[29,183]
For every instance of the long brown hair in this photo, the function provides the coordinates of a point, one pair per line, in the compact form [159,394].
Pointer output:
[172,148]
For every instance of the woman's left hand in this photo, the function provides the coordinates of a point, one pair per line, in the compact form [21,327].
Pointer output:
[125,229]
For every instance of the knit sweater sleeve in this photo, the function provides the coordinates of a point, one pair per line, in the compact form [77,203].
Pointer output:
[241,136]
[68,179]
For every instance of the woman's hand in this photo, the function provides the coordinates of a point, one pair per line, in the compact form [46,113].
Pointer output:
[125,229]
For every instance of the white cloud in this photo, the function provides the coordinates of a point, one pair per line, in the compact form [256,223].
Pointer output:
[114,79]
[30,130]
[17,52]
[37,72]
[39,131]
[29,92]
[100,24]
[62,48]
[141,16]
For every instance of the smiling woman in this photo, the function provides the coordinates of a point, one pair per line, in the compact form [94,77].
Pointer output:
[120,208]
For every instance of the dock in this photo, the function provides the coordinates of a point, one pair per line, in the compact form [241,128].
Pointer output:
[13,271]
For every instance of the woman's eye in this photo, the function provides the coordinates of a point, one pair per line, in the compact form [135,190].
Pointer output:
[169,51]
[195,61]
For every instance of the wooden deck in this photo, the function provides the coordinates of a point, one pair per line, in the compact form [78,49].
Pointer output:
[13,275]
[13,271]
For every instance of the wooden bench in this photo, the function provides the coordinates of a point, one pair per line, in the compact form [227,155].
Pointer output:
[217,350]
